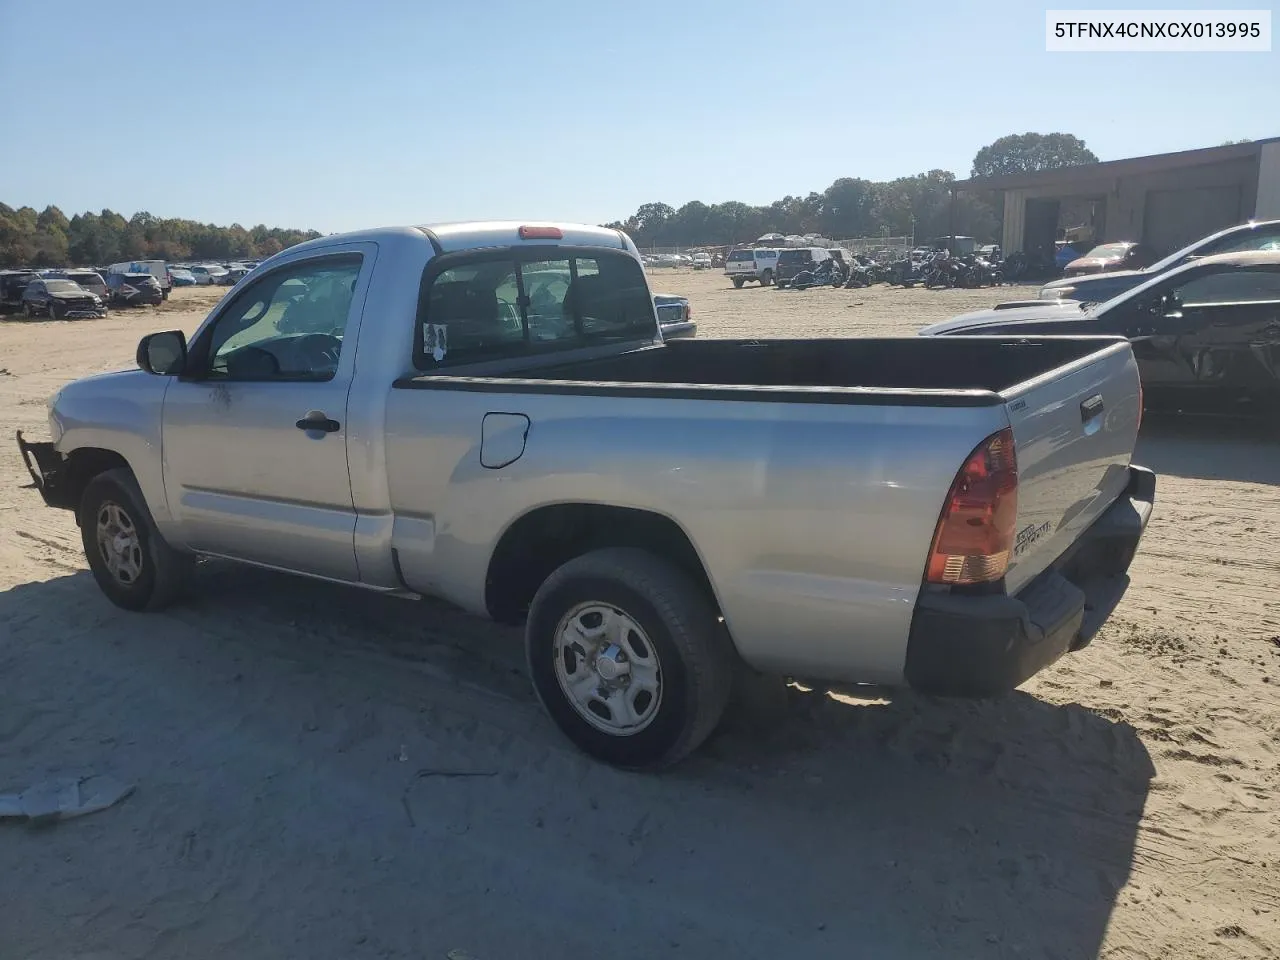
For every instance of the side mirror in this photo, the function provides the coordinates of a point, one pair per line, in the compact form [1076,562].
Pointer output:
[164,354]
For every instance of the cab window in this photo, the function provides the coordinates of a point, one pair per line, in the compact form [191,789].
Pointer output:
[288,325]
[491,306]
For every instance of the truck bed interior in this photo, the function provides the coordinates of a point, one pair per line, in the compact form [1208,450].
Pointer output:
[909,363]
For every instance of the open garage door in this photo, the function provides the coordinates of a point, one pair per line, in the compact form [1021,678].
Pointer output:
[1174,218]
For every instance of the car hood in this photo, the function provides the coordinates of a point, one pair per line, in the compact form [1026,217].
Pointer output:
[1026,311]
[1095,287]
[1093,263]
[1138,276]
[69,295]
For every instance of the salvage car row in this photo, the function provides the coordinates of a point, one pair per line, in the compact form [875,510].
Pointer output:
[1204,322]
[76,293]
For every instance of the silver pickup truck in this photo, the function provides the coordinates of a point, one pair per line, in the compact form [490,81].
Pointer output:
[488,413]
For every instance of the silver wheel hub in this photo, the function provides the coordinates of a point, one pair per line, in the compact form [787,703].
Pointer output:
[608,668]
[118,543]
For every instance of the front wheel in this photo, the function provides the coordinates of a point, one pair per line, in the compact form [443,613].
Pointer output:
[54,313]
[766,278]
[628,657]
[27,312]
[128,557]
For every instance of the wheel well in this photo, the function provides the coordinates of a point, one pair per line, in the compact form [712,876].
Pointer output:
[82,466]
[543,539]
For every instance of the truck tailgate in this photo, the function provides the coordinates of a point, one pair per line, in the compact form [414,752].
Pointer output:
[1074,430]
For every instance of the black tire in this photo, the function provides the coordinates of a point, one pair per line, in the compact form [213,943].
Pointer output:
[27,312]
[766,278]
[53,310]
[163,572]
[694,653]
[738,282]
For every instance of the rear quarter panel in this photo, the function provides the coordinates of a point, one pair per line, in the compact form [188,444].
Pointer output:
[813,520]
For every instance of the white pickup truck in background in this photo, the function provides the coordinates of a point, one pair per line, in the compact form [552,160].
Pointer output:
[489,413]
[751,265]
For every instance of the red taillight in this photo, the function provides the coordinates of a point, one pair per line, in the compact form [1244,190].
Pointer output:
[541,233]
[688,312]
[1141,403]
[975,531]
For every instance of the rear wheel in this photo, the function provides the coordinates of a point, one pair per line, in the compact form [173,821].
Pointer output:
[628,658]
[738,282]
[128,557]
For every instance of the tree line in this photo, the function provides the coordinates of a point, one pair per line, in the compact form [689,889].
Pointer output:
[48,238]
[918,206]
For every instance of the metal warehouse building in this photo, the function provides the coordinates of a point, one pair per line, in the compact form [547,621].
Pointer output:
[1166,200]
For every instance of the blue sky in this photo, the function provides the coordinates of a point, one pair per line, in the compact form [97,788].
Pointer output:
[340,115]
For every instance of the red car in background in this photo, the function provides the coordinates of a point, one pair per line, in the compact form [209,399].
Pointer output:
[1122,255]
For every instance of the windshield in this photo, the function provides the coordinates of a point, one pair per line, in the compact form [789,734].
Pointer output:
[794,256]
[84,278]
[62,286]
[1108,251]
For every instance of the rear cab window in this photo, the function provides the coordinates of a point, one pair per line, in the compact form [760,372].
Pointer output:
[742,256]
[509,303]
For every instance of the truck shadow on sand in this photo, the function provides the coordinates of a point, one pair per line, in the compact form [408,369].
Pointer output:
[813,823]
[1210,448]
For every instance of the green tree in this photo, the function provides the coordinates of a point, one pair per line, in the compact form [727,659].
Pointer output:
[1028,152]
[847,207]
[50,239]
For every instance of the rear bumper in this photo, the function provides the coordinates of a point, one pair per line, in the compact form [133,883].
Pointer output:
[48,472]
[981,646]
[679,329]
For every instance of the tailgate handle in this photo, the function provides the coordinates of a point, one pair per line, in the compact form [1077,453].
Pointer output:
[1091,408]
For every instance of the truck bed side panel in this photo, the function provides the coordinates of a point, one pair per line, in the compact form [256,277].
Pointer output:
[812,520]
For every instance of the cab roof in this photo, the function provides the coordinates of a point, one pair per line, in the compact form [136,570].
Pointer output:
[476,234]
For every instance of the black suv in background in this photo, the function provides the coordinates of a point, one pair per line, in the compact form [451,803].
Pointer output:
[134,289]
[89,279]
[60,300]
[792,260]
[12,283]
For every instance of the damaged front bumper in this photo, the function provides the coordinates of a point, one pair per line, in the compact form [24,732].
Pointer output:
[48,472]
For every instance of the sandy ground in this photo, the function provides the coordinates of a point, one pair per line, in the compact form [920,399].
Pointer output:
[322,773]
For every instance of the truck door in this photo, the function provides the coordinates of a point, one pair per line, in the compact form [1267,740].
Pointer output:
[254,436]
